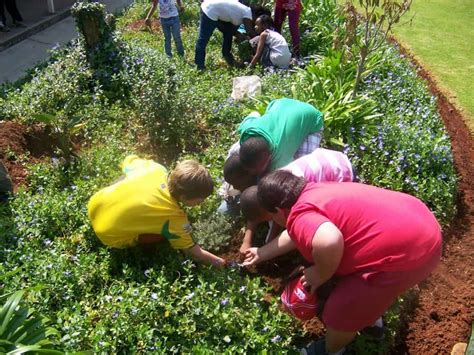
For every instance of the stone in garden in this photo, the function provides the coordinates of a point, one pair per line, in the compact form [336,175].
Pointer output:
[459,349]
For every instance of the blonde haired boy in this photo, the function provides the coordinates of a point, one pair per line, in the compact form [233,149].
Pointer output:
[143,207]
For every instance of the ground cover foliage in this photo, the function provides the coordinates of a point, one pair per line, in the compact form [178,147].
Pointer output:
[154,300]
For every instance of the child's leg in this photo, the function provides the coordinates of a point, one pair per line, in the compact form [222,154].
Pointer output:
[165,26]
[278,18]
[294,22]
[176,30]
[206,28]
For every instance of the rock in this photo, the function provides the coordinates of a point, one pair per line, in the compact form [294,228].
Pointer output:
[459,349]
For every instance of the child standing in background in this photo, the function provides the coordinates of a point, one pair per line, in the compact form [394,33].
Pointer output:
[293,9]
[170,24]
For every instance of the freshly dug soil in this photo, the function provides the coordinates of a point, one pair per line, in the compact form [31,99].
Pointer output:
[21,145]
[445,309]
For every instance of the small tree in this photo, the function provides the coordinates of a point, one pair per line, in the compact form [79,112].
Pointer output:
[377,18]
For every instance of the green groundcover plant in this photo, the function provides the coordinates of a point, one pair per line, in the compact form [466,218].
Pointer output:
[154,300]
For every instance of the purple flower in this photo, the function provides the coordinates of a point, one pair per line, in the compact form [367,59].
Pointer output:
[154,296]
[189,296]
[242,289]
[147,272]
[119,299]
[225,302]
[276,339]
[265,329]
[116,314]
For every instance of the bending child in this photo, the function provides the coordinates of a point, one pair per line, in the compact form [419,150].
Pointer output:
[272,49]
[323,165]
[273,140]
[377,243]
[144,206]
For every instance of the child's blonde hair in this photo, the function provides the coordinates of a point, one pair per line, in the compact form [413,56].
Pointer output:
[190,180]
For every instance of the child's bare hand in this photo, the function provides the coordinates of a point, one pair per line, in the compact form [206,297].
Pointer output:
[251,257]
[308,280]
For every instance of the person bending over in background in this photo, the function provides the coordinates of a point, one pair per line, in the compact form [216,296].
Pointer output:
[374,243]
[226,16]
[144,206]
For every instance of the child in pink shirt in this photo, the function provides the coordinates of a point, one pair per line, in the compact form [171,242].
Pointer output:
[319,166]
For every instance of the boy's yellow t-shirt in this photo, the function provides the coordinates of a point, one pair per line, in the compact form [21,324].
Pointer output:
[139,204]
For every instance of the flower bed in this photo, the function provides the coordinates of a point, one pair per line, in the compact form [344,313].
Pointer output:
[144,300]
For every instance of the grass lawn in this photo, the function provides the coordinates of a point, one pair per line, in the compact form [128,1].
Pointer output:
[441,36]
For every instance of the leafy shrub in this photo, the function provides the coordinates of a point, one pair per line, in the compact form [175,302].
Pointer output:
[213,233]
[319,26]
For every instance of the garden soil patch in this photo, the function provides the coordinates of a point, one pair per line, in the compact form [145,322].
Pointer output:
[20,145]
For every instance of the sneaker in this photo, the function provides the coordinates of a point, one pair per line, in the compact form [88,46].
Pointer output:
[376,330]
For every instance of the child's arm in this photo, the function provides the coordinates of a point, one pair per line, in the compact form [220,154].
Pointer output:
[201,255]
[150,13]
[248,237]
[249,27]
[278,246]
[260,45]
[327,249]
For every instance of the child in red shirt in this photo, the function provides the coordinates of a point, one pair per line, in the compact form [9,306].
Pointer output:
[293,9]
[374,242]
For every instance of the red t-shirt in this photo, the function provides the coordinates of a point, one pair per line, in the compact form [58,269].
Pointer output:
[383,230]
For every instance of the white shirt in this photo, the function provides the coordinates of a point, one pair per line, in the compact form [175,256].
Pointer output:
[279,52]
[168,8]
[226,11]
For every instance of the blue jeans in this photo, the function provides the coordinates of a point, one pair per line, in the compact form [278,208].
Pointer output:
[206,28]
[171,26]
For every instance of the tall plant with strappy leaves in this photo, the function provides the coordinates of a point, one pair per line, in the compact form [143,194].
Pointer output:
[21,330]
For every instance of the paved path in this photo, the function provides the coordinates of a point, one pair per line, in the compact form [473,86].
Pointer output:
[16,60]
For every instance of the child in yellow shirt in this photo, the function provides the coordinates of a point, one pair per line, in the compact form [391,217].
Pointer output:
[143,207]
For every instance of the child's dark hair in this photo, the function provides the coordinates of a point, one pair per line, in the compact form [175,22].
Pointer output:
[235,174]
[266,20]
[252,151]
[259,10]
[249,205]
[279,189]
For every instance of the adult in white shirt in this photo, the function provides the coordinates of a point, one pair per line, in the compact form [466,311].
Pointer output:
[226,16]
